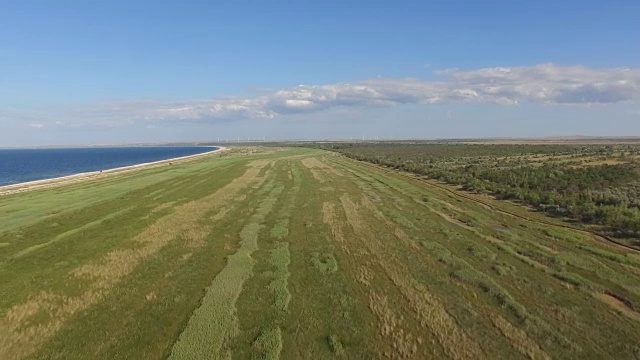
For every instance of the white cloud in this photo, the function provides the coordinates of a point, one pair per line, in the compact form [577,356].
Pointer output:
[36,126]
[549,83]
[546,84]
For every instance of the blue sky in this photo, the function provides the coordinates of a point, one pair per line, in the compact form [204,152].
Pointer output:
[74,72]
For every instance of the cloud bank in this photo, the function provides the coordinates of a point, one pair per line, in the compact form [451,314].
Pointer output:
[544,84]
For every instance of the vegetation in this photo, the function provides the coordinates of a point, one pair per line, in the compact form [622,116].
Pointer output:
[593,184]
[289,253]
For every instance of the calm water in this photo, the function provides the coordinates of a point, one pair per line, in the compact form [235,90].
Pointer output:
[21,165]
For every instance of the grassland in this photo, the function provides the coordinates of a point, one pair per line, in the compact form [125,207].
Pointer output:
[595,186]
[302,254]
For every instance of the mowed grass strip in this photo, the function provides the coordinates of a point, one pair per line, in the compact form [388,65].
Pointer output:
[268,345]
[27,326]
[261,322]
[523,269]
[364,263]
[280,259]
[31,207]
[66,234]
[430,310]
[215,320]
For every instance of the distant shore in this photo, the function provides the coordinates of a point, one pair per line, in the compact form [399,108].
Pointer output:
[69,179]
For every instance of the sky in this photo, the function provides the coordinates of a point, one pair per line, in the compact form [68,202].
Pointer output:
[87,72]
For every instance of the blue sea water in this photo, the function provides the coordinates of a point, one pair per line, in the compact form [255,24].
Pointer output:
[22,165]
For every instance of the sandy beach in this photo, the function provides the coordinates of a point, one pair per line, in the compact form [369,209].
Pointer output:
[69,179]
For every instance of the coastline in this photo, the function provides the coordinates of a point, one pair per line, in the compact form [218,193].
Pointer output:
[70,179]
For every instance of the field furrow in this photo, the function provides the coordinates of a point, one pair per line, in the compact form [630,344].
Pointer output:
[279,253]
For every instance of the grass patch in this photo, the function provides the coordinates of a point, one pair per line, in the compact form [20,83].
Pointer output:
[503,269]
[268,345]
[67,234]
[571,278]
[281,229]
[608,255]
[215,320]
[560,234]
[335,345]
[325,263]
[165,280]
[492,289]
[481,252]
[280,259]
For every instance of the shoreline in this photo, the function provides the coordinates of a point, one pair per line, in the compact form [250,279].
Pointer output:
[74,178]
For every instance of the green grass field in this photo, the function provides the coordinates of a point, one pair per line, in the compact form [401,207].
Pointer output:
[302,254]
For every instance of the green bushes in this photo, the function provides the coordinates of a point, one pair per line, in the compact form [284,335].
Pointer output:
[592,184]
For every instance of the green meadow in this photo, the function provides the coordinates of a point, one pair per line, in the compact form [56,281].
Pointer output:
[280,253]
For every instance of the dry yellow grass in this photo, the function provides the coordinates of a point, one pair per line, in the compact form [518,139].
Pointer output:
[618,305]
[404,343]
[19,339]
[320,170]
[397,231]
[216,321]
[429,310]
[166,205]
[519,339]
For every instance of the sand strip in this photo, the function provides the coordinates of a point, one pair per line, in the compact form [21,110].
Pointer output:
[69,179]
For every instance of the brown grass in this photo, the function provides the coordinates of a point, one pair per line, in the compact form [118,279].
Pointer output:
[326,166]
[365,276]
[519,339]
[215,321]
[320,170]
[618,305]
[403,343]
[330,219]
[163,206]
[19,339]
[430,311]
[311,164]
[397,231]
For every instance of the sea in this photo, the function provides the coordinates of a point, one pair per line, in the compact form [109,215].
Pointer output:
[22,165]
